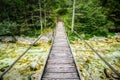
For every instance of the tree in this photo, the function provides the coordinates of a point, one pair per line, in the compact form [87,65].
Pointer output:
[112,11]
[73,15]
[40,15]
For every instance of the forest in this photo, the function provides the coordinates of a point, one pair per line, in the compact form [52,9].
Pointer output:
[92,17]
[96,21]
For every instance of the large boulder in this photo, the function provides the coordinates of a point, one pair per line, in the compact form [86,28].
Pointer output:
[7,39]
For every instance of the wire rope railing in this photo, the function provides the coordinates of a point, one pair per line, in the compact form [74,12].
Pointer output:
[107,63]
[45,62]
[89,74]
[110,66]
[1,76]
[79,74]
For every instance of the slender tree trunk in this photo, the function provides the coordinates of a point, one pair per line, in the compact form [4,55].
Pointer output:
[44,13]
[33,24]
[40,16]
[25,18]
[73,16]
[45,18]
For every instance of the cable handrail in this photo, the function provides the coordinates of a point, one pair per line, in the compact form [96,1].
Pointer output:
[1,76]
[45,62]
[111,67]
[77,68]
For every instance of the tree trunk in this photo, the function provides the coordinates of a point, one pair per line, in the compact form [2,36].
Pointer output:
[73,16]
[40,16]
[44,15]
[45,19]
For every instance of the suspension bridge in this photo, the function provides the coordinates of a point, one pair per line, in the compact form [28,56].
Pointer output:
[60,63]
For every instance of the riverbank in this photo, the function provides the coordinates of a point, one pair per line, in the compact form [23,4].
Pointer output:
[26,40]
[29,66]
[90,65]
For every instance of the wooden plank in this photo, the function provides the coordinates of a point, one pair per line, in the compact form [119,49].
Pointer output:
[65,43]
[55,45]
[62,69]
[61,61]
[59,52]
[58,79]
[65,53]
[59,42]
[61,58]
[60,48]
[60,65]
[61,75]
[63,40]
[61,55]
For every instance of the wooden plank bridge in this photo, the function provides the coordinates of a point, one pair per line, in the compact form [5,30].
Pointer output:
[60,64]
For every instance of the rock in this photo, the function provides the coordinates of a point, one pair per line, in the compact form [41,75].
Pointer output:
[44,39]
[36,76]
[7,39]
[26,40]
[33,65]
[118,39]
[117,34]
[116,54]
[95,38]
[49,36]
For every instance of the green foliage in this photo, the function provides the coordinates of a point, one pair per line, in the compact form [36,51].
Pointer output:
[71,37]
[62,11]
[87,36]
[32,33]
[112,11]
[91,20]
[111,34]
[27,15]
[92,17]
[8,27]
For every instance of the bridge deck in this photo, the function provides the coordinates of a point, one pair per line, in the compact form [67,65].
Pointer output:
[60,64]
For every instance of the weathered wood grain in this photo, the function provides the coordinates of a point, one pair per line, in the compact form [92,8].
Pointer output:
[61,75]
[62,69]
[57,79]
[60,64]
